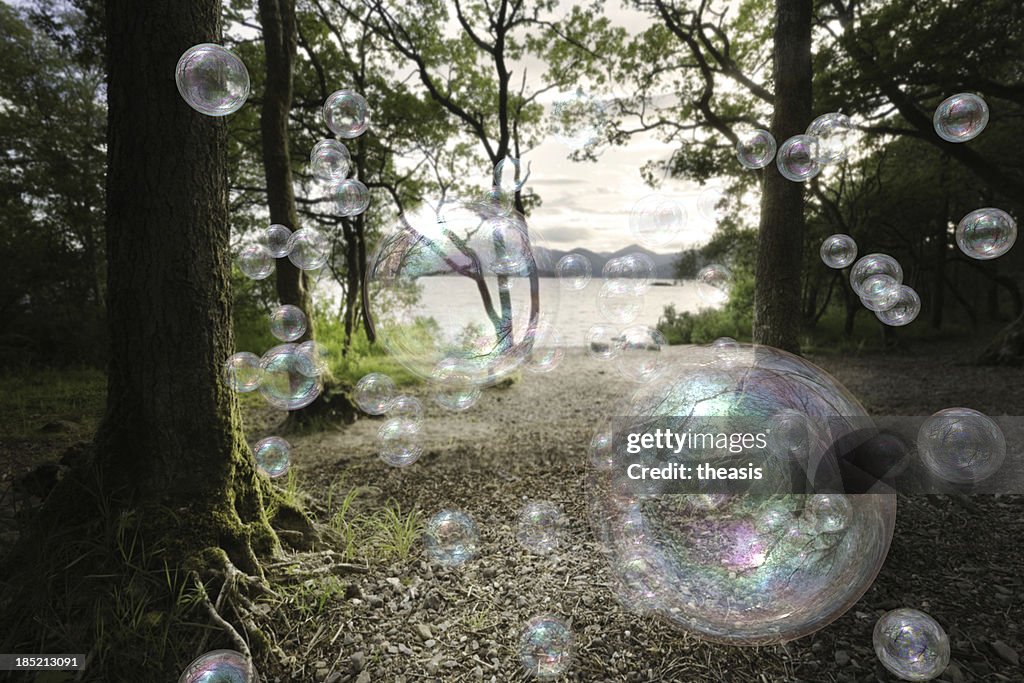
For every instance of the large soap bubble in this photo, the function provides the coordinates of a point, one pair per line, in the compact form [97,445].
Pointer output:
[287,322]
[255,262]
[986,233]
[330,160]
[577,119]
[961,445]
[961,117]
[374,393]
[399,441]
[873,264]
[212,80]
[308,249]
[290,378]
[218,666]
[656,219]
[273,456]
[451,538]
[275,240]
[911,644]
[833,132]
[838,251]
[476,252]
[763,564]
[351,197]
[903,311]
[242,371]
[546,647]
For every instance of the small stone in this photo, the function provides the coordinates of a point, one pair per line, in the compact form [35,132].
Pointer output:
[489,572]
[405,649]
[423,631]
[1005,652]
[842,657]
[953,674]
[356,662]
[478,673]
[429,643]
[374,601]
[364,677]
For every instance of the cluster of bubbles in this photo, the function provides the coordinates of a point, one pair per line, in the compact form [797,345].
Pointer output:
[306,248]
[961,445]
[288,376]
[212,80]
[346,114]
[398,438]
[827,140]
[218,666]
[911,645]
[876,278]
[546,646]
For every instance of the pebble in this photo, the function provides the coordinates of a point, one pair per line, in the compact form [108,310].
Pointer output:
[356,662]
[423,631]
[842,657]
[364,677]
[1005,652]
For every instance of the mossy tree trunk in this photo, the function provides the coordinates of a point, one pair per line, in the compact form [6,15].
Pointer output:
[780,249]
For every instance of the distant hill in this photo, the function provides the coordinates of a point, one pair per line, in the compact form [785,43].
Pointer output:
[664,263]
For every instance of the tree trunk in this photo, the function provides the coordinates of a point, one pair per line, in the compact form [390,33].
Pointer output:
[780,247]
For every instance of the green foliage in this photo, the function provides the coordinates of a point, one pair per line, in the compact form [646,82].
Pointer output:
[734,319]
[374,533]
[31,398]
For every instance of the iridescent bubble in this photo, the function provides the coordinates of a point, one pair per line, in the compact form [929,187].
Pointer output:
[602,450]
[287,322]
[351,197]
[273,456]
[455,388]
[833,132]
[399,441]
[316,354]
[255,262]
[904,311]
[345,113]
[546,647]
[212,80]
[640,359]
[838,251]
[874,264]
[630,273]
[791,435]
[308,249]
[509,176]
[540,527]
[617,306]
[574,271]
[290,380]
[407,408]
[548,349]
[242,371]
[603,342]
[451,538]
[374,393]
[881,292]
[714,282]
[911,645]
[961,117]
[726,349]
[330,160]
[513,252]
[656,220]
[828,513]
[961,445]
[577,119]
[275,240]
[711,203]
[645,272]
[218,666]
[986,233]
[756,148]
[798,158]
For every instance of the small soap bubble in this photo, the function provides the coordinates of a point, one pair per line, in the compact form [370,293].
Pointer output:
[797,159]
[904,311]
[577,119]
[828,513]
[711,203]
[881,292]
[656,220]
[986,233]
[374,393]
[351,197]
[345,113]
[833,132]
[317,356]
[838,251]
[242,371]
[255,262]
[617,306]
[911,644]
[451,538]
[290,380]
[874,264]
[454,388]
[640,359]
[726,349]
[212,80]
[287,322]
[540,527]
[513,253]
[961,445]
[714,282]
[548,349]
[273,456]
[330,160]
[574,271]
[603,342]
[961,117]
[218,666]
[756,148]
[407,408]
[399,441]
[790,435]
[546,647]
[275,240]
[509,176]
[308,249]
[630,273]
[602,450]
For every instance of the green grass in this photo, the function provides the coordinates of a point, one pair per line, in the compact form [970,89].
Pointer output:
[381,534]
[32,397]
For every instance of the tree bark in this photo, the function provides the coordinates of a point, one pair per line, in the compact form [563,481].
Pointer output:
[780,250]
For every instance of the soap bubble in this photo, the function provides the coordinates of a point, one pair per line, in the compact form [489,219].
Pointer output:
[904,311]
[290,380]
[546,647]
[602,342]
[617,306]
[630,273]
[961,117]
[407,408]
[212,80]
[726,349]
[540,527]
[255,262]
[451,538]
[316,354]
[756,148]
[838,251]
[374,393]
[911,645]
[508,176]
[881,292]
[351,197]
[874,264]
[986,233]
[242,371]
[792,437]
[479,254]
[833,132]
[275,240]
[345,113]
[218,666]
[656,220]
[574,271]
[798,158]
[640,358]
[308,249]
[548,349]
[710,203]
[330,160]
[287,322]
[577,119]
[961,445]
[455,388]
[399,441]
[273,456]
[754,568]
[714,282]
